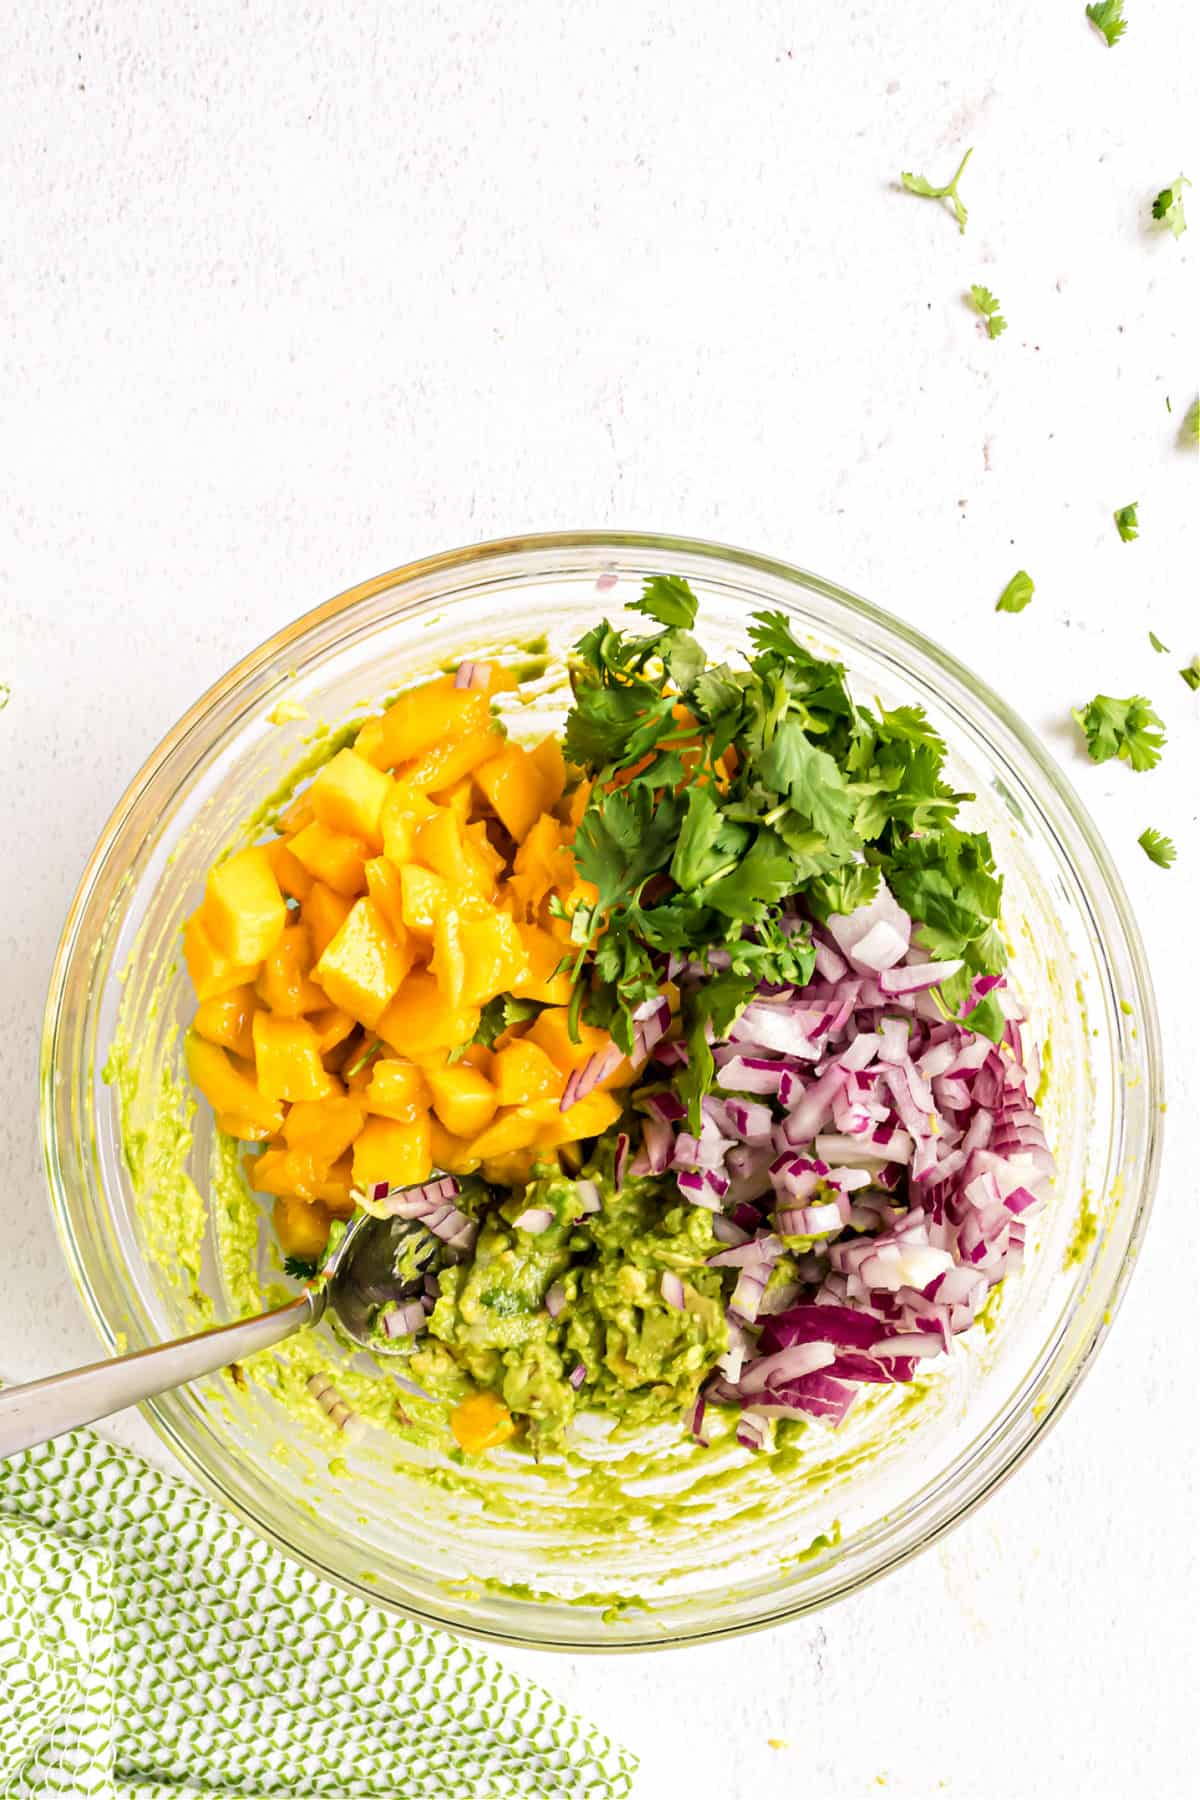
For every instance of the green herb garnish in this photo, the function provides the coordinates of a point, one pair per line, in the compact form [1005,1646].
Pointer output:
[1189,431]
[361,1062]
[500,1013]
[1127,522]
[986,303]
[1017,594]
[1156,643]
[299,1269]
[1158,847]
[1108,16]
[1192,673]
[917,184]
[1130,729]
[1167,207]
[730,806]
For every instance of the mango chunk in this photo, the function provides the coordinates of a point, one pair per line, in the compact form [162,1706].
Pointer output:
[243,910]
[365,963]
[332,857]
[287,1059]
[212,972]
[442,845]
[333,1027]
[284,982]
[423,896]
[392,1151]
[550,1030]
[324,1128]
[294,880]
[513,786]
[547,757]
[397,1089]
[522,1073]
[442,767]
[225,1019]
[463,1099]
[301,1226]
[420,1019]
[426,716]
[387,891]
[480,1422]
[453,1154]
[402,813]
[324,912]
[495,960]
[229,1087]
[348,794]
[543,954]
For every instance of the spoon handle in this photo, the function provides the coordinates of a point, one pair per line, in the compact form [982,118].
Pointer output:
[38,1410]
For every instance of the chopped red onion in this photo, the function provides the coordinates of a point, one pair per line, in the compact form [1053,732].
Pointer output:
[471,675]
[534,1219]
[672,1289]
[578,1376]
[556,1299]
[404,1319]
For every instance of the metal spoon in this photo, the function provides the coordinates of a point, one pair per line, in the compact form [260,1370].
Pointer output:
[376,1262]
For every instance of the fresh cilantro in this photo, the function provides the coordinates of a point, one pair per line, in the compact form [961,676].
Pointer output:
[500,1013]
[5,695]
[1017,594]
[1167,207]
[1192,673]
[1156,643]
[917,184]
[1189,431]
[986,303]
[1127,522]
[1108,17]
[1158,847]
[299,1269]
[1130,729]
[360,1062]
[722,819]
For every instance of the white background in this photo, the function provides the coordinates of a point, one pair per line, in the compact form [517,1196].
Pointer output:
[294,294]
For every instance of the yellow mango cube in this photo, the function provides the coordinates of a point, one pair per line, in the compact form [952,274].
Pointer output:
[243,910]
[494,957]
[365,964]
[348,794]
[512,1129]
[543,954]
[302,1227]
[294,880]
[284,982]
[421,1020]
[513,785]
[324,1129]
[332,857]
[463,1099]
[453,1154]
[423,895]
[335,1188]
[333,1027]
[369,742]
[387,891]
[442,845]
[229,1087]
[550,1031]
[324,912]
[397,1089]
[225,1019]
[523,1073]
[587,1118]
[401,815]
[480,1422]
[287,1059]
[547,758]
[435,713]
[212,972]
[448,964]
[437,770]
[395,1152]
[515,1167]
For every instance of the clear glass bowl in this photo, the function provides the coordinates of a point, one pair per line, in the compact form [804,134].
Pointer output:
[674,1550]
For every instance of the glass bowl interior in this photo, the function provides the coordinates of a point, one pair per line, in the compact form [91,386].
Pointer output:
[620,1547]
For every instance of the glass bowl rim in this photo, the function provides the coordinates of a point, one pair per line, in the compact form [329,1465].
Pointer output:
[495,551]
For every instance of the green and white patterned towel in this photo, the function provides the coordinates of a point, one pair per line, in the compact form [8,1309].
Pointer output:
[152,1646]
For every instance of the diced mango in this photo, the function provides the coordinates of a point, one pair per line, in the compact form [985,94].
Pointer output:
[499,679]
[494,957]
[547,758]
[296,1172]
[543,954]
[335,1188]
[387,1150]
[333,1027]
[296,815]
[448,964]
[301,1226]
[225,1019]
[512,1129]
[550,1030]
[423,896]
[365,964]
[348,794]
[324,1128]
[324,912]
[459,799]
[244,911]
[228,1086]
[522,1073]
[512,785]
[294,879]
[284,981]
[541,864]
[450,1153]
[212,972]
[432,714]
[485,852]
[463,1099]
[402,813]
[287,1058]
[420,1019]
[234,1126]
[513,1169]
[443,847]
[387,891]
[369,741]
[397,1089]
[332,857]
[587,1118]
[446,763]
[480,1422]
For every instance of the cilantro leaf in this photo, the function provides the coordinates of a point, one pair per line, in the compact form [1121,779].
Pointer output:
[1108,17]
[500,1013]
[693,858]
[1158,847]
[1017,594]
[1167,206]
[1192,673]
[986,303]
[360,1062]
[1189,431]
[1156,643]
[917,184]
[1127,522]
[1130,729]
[299,1268]
[812,782]
[669,600]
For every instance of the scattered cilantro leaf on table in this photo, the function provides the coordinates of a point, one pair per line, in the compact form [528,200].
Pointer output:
[1130,729]
[1108,16]
[1156,643]
[917,184]
[1189,431]
[1167,207]
[1158,847]
[1017,594]
[986,303]
[1126,521]
[1192,673]
[723,818]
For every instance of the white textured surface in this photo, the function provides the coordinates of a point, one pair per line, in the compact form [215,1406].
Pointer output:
[292,295]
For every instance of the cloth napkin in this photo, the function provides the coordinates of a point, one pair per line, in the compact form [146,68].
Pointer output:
[152,1646]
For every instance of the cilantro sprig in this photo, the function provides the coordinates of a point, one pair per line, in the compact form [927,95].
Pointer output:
[917,184]
[1126,520]
[1158,847]
[1167,206]
[500,1013]
[1156,643]
[730,807]
[1130,729]
[1108,16]
[1191,674]
[986,303]
[1017,594]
